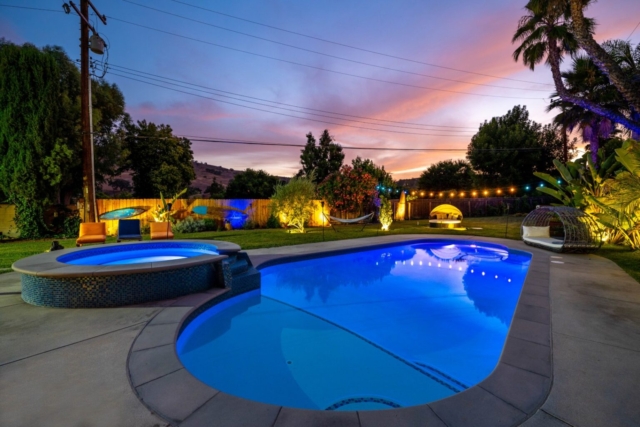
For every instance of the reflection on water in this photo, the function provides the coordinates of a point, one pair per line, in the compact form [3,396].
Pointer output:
[321,276]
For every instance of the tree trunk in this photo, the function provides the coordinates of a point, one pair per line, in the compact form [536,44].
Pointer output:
[629,89]
[554,62]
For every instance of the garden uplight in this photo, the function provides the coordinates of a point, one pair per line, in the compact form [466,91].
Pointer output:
[485,192]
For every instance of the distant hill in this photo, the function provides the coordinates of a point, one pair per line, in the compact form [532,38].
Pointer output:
[204,177]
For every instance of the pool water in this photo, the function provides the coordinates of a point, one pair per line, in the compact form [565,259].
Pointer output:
[137,253]
[375,329]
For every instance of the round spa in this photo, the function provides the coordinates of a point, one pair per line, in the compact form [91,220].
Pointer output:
[122,274]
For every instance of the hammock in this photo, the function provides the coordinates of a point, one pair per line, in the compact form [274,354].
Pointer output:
[364,220]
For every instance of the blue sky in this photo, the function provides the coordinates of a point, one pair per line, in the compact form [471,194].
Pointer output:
[464,34]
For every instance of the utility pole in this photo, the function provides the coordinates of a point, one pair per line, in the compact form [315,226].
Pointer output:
[88,174]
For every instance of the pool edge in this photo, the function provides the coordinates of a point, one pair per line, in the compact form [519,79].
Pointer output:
[512,393]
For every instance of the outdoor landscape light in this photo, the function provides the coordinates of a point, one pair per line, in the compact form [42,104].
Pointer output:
[485,192]
[527,188]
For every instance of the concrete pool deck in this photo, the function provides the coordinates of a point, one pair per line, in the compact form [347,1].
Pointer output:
[68,367]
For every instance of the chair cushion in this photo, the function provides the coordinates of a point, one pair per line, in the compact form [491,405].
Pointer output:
[92,238]
[532,231]
[159,235]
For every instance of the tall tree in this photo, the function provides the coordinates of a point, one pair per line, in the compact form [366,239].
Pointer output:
[320,160]
[508,149]
[383,177]
[158,160]
[30,100]
[553,28]
[215,190]
[627,83]
[252,184]
[585,80]
[447,175]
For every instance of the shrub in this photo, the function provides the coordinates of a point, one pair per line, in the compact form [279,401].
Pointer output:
[210,224]
[386,213]
[294,202]
[189,225]
[71,225]
[249,224]
[273,221]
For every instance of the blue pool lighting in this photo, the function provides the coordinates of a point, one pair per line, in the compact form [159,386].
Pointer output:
[137,253]
[373,329]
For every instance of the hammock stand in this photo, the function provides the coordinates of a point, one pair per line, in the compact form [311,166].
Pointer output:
[364,220]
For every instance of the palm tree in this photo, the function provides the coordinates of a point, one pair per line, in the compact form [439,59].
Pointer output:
[586,80]
[548,31]
[627,84]
[544,32]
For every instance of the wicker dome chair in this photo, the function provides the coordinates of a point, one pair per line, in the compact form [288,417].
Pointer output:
[445,216]
[580,233]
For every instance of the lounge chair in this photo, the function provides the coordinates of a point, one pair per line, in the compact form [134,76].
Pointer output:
[129,229]
[364,220]
[160,230]
[92,232]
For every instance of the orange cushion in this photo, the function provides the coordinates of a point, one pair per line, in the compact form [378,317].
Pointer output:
[158,235]
[92,238]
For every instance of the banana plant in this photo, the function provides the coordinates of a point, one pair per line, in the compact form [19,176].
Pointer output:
[619,206]
[162,213]
[581,179]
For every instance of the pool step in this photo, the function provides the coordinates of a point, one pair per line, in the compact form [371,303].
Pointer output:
[238,274]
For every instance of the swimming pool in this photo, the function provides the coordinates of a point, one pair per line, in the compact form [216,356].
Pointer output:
[383,328]
[138,253]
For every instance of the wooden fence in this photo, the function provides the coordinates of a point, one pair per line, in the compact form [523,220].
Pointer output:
[7,225]
[257,209]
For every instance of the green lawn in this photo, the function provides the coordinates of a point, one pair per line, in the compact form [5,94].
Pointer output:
[11,251]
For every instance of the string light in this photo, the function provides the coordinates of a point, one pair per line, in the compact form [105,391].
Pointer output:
[510,190]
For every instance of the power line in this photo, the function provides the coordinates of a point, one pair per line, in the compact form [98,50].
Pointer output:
[317,68]
[634,30]
[282,114]
[346,147]
[32,8]
[358,48]
[330,55]
[140,74]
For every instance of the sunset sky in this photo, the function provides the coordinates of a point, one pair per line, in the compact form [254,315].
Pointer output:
[349,98]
